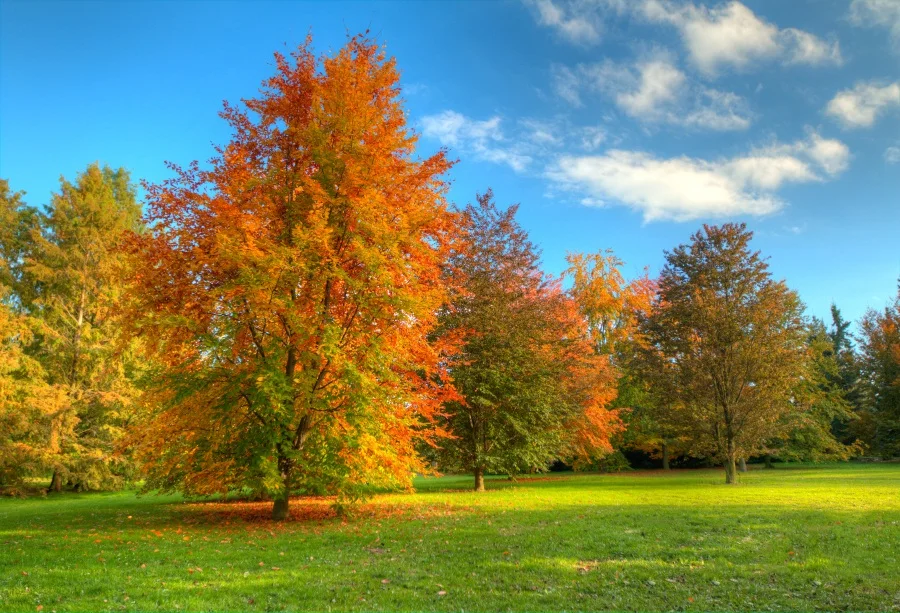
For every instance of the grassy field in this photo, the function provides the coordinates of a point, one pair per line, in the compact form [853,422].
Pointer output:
[812,538]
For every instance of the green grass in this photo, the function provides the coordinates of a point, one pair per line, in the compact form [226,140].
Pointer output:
[809,538]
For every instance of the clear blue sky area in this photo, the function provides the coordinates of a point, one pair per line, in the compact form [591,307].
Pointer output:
[615,124]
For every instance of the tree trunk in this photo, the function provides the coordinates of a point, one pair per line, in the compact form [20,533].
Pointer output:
[479,479]
[665,456]
[280,510]
[769,461]
[55,483]
[743,465]
[730,470]
[280,507]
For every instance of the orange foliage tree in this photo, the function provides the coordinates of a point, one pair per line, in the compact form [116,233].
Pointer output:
[609,307]
[290,289]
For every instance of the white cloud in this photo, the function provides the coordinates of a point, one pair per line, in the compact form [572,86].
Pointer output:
[859,107]
[885,13]
[576,26]
[481,139]
[654,90]
[892,155]
[658,83]
[685,188]
[804,48]
[731,35]
[830,154]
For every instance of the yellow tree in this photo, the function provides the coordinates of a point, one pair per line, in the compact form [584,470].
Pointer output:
[63,270]
[733,340]
[289,291]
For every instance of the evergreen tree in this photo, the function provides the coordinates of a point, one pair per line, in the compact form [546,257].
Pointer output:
[70,284]
[880,358]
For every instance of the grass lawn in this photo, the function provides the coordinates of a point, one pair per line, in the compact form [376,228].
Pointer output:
[800,538]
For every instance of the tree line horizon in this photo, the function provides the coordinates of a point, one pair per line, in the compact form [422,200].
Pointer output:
[309,315]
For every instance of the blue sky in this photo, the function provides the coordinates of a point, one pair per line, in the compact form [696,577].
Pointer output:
[621,124]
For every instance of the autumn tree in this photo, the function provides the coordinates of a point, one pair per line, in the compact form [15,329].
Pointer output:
[26,403]
[611,308]
[880,358]
[734,340]
[532,389]
[290,291]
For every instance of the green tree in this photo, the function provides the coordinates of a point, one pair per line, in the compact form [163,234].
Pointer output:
[847,376]
[531,388]
[820,401]
[734,341]
[70,283]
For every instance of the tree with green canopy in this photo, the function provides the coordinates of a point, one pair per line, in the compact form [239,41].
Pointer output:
[733,340]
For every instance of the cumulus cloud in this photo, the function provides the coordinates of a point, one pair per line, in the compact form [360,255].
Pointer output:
[884,13]
[731,35]
[685,188]
[860,107]
[654,90]
[483,140]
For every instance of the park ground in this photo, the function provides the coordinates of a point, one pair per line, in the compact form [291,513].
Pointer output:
[791,538]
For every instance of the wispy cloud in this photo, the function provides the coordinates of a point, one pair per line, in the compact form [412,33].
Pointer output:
[892,155]
[884,13]
[483,140]
[516,144]
[654,90]
[576,22]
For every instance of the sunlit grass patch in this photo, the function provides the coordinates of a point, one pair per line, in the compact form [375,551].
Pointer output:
[807,538]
